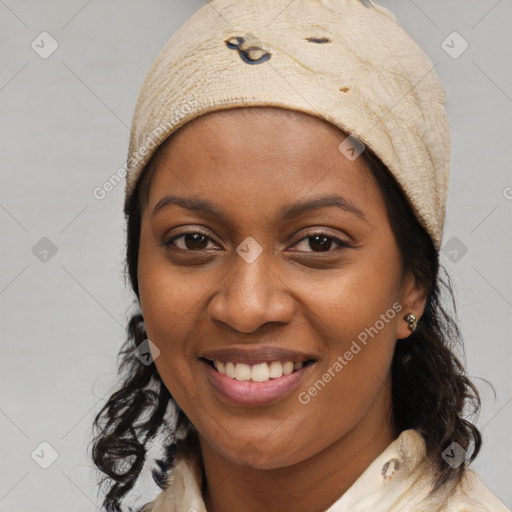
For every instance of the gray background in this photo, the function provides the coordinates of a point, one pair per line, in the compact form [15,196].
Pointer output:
[64,131]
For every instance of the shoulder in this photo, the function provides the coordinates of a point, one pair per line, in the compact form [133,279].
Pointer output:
[182,490]
[472,495]
[469,494]
[408,487]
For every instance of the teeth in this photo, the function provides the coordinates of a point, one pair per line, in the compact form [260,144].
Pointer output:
[275,370]
[242,371]
[230,370]
[288,367]
[260,372]
[219,366]
[257,372]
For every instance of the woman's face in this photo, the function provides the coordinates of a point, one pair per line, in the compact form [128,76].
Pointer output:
[269,266]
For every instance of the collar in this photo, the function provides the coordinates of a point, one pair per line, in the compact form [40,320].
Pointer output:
[399,479]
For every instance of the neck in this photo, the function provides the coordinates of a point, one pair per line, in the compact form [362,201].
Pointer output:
[313,484]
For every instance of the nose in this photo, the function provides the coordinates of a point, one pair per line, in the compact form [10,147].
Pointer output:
[251,295]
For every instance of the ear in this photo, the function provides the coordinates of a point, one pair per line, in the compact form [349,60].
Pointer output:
[413,300]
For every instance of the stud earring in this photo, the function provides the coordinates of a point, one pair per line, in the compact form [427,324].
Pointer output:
[411,319]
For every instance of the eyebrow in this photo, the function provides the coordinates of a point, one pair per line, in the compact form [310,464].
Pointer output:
[287,212]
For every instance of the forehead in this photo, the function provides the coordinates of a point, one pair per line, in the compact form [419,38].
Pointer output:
[273,134]
[258,156]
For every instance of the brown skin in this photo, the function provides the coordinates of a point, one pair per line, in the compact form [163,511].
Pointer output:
[249,163]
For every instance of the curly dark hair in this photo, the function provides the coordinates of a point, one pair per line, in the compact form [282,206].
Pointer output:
[430,389]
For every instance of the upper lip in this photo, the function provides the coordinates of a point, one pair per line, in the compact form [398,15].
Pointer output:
[256,355]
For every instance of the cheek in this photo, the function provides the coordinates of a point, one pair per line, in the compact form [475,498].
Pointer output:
[169,294]
[170,300]
[356,317]
[359,302]
[170,314]
[353,380]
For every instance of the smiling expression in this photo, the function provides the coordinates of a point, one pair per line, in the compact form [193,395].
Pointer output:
[323,266]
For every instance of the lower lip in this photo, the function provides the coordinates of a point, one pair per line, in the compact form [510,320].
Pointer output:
[247,392]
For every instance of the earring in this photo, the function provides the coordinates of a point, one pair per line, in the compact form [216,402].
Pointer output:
[411,319]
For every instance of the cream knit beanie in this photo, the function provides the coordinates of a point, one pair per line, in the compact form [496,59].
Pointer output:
[348,62]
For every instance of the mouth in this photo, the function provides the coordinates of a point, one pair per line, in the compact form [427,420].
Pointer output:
[259,384]
[261,372]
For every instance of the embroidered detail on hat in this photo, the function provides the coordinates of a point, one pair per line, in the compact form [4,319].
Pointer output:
[249,48]
[234,42]
[390,468]
[319,40]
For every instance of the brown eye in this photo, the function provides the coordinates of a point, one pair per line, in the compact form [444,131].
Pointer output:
[191,241]
[320,242]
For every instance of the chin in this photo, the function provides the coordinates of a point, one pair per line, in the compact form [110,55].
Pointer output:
[249,455]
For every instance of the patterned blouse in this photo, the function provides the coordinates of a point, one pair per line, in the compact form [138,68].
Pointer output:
[396,481]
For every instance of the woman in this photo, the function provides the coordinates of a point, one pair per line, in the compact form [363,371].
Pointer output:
[286,190]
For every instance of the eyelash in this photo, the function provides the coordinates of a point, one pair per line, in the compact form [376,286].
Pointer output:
[169,243]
